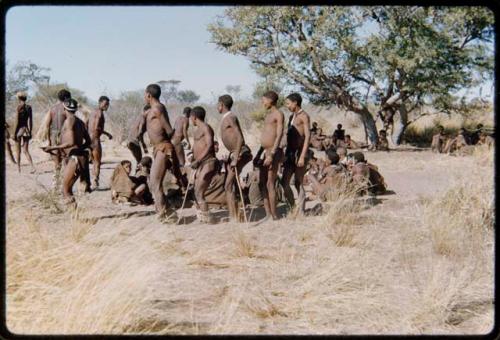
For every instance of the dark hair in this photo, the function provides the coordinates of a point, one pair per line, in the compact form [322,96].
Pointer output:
[333,156]
[125,161]
[295,97]
[23,98]
[339,126]
[382,132]
[146,107]
[198,112]
[154,90]
[146,161]
[271,95]
[347,136]
[227,100]
[358,157]
[103,99]
[314,123]
[187,111]
[63,95]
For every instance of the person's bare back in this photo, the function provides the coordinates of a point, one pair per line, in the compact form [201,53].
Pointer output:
[157,124]
[201,149]
[180,128]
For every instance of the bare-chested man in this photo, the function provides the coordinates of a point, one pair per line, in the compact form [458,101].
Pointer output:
[270,140]
[339,134]
[382,142]
[298,137]
[181,126]
[74,139]
[7,143]
[96,129]
[160,133]
[136,135]
[55,123]
[204,161]
[239,152]
[24,127]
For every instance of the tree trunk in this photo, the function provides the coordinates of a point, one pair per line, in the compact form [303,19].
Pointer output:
[369,123]
[399,129]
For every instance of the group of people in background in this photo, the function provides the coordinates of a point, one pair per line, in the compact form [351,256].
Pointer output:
[288,155]
[463,142]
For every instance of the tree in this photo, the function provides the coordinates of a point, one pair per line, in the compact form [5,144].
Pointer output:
[169,89]
[23,76]
[233,90]
[395,58]
[187,96]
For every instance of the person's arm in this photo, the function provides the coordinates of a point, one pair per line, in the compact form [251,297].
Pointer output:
[185,133]
[71,133]
[239,141]
[17,122]
[307,138]
[279,134]
[162,116]
[30,120]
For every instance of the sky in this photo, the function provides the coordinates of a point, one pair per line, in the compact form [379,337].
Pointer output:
[110,49]
[104,50]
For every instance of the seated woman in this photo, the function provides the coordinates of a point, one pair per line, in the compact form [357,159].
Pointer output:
[366,175]
[126,188]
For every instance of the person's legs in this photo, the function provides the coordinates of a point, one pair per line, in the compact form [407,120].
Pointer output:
[299,185]
[157,174]
[263,179]
[18,154]
[70,176]
[230,194]
[272,174]
[285,182]
[96,156]
[201,183]
[27,153]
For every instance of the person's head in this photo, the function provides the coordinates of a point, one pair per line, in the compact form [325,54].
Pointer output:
[63,94]
[22,96]
[152,93]
[269,99]
[339,126]
[347,138]
[358,157]
[216,146]
[197,114]
[333,157]
[440,128]
[314,125]
[479,126]
[342,152]
[186,112]
[225,103]
[127,165]
[146,162]
[70,106]
[103,103]
[382,133]
[293,102]
[146,107]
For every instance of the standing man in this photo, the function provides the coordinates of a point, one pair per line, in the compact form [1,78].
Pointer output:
[74,140]
[204,161]
[96,129]
[239,152]
[298,137]
[272,133]
[181,126]
[338,135]
[160,133]
[136,135]
[24,128]
[55,123]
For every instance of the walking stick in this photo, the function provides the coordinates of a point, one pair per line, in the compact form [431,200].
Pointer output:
[185,195]
[241,194]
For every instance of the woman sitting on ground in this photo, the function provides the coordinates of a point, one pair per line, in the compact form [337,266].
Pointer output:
[126,188]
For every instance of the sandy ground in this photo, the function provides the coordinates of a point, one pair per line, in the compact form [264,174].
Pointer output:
[192,257]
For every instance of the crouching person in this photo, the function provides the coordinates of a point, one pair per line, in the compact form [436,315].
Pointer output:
[365,175]
[73,144]
[129,189]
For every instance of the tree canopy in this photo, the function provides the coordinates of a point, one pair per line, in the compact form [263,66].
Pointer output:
[396,58]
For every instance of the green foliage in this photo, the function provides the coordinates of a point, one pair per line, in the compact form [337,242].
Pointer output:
[187,96]
[259,115]
[392,56]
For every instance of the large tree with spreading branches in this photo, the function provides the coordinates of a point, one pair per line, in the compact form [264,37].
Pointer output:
[383,60]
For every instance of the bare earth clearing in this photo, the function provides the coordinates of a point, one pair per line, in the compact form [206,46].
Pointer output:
[373,270]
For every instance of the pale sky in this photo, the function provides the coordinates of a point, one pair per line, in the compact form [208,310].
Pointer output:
[109,49]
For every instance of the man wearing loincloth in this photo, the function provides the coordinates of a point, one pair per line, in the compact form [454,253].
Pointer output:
[55,122]
[74,140]
[204,160]
[96,129]
[239,152]
[160,133]
[23,130]
[270,140]
[298,137]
